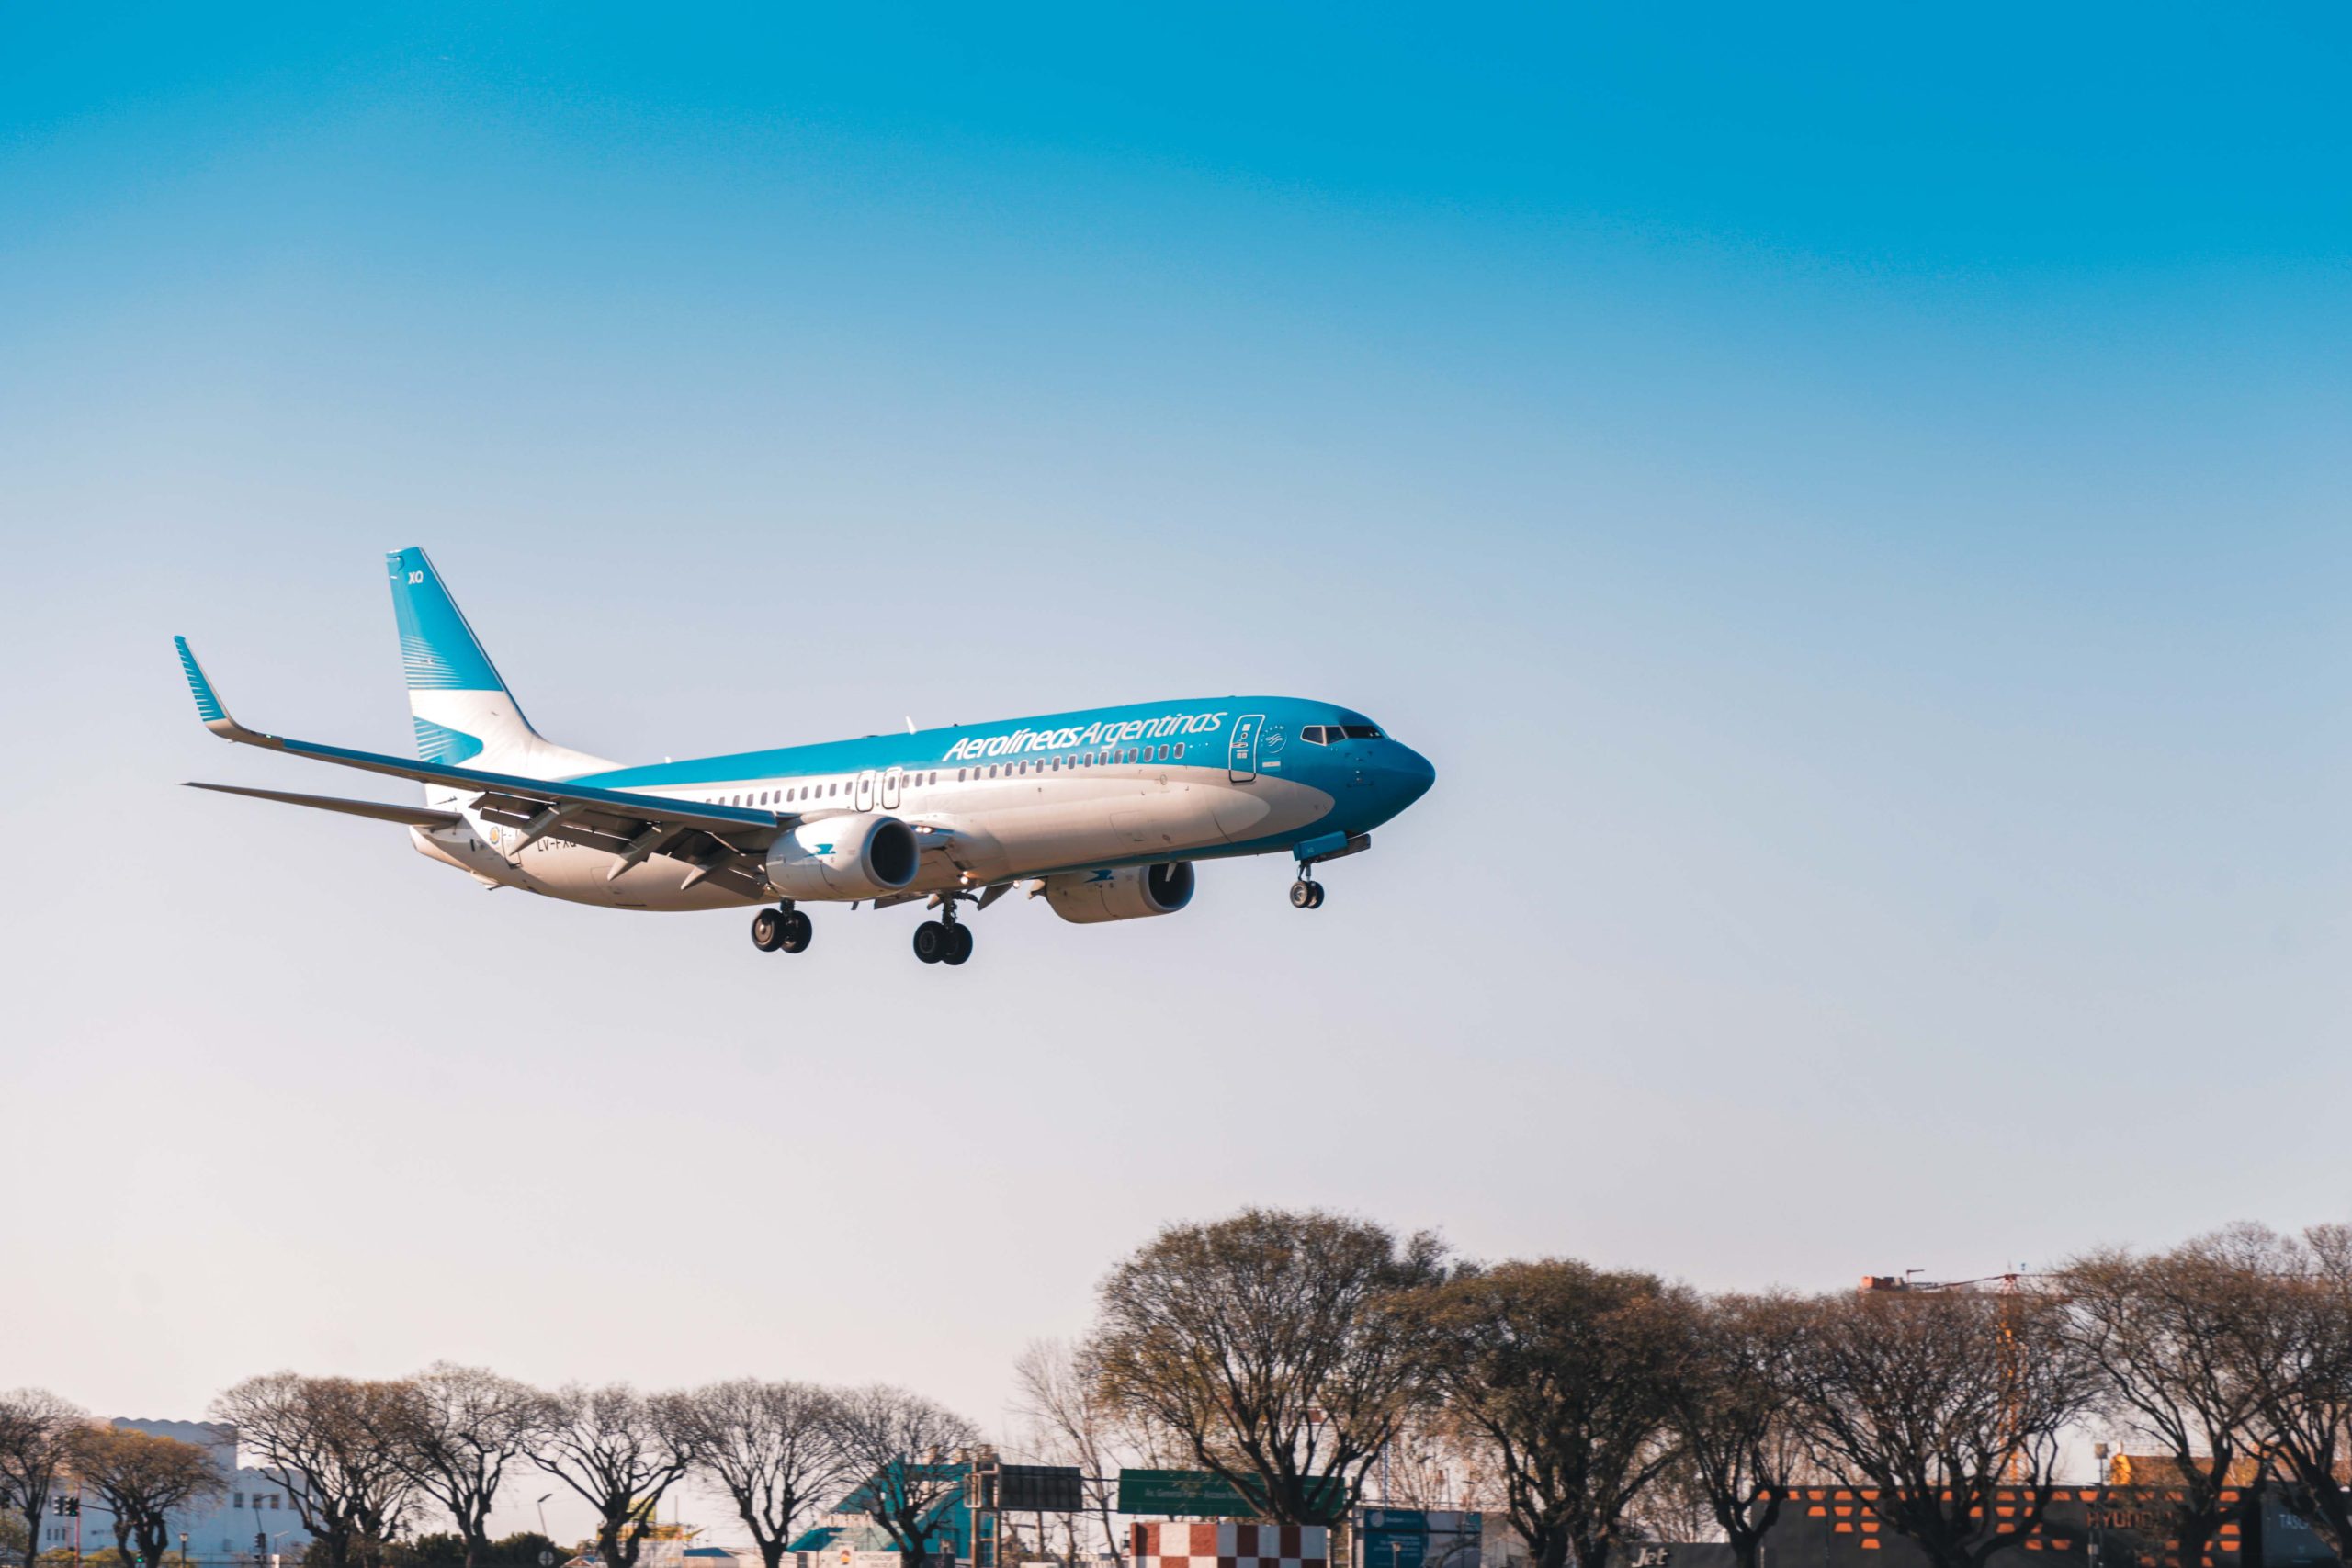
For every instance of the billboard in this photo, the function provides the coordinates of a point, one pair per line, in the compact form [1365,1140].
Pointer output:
[1419,1538]
[1202,1494]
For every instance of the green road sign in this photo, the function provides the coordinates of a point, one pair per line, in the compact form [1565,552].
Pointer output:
[1202,1494]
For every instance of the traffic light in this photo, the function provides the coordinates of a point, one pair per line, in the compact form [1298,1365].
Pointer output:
[261,1543]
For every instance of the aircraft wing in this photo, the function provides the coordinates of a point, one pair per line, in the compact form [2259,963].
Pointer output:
[407,816]
[721,842]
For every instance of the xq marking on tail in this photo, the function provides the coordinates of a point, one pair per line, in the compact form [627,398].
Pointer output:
[1102,811]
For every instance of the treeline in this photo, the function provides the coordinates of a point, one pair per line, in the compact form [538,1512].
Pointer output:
[1290,1352]
[1286,1351]
[362,1459]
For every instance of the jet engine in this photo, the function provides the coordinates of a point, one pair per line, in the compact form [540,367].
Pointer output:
[854,855]
[1087,897]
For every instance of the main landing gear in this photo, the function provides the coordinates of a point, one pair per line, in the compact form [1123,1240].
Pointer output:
[1306,893]
[781,929]
[946,940]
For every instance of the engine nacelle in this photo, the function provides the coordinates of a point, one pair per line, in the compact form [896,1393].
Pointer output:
[854,855]
[1128,894]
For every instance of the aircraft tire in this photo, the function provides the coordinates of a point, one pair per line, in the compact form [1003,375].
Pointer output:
[798,933]
[1301,895]
[960,945]
[768,929]
[1316,901]
[932,941]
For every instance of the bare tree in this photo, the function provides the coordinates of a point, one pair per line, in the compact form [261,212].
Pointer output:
[453,1431]
[773,1447]
[1570,1373]
[1273,1347]
[2159,1331]
[1435,1461]
[141,1478]
[620,1451]
[1073,1425]
[1675,1506]
[901,1447]
[36,1434]
[323,1436]
[1740,1450]
[1937,1399]
[2293,1346]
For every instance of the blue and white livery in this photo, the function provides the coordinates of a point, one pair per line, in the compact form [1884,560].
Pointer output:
[1102,812]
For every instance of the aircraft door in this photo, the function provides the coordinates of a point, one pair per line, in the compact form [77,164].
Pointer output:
[1241,758]
[864,798]
[890,783]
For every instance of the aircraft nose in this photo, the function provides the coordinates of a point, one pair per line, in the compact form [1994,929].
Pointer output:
[1413,775]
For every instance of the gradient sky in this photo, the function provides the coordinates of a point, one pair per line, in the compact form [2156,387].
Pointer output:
[1852,504]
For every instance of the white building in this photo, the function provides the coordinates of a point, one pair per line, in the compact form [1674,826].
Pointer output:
[254,1510]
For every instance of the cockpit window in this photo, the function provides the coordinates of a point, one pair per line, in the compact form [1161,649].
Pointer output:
[1312,735]
[1361,731]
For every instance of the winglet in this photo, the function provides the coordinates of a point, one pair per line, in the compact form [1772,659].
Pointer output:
[207,703]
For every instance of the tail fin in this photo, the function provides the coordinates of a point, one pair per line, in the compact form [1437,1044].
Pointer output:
[463,713]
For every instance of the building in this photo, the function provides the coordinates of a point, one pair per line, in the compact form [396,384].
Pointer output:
[2083,1527]
[254,1520]
[850,1536]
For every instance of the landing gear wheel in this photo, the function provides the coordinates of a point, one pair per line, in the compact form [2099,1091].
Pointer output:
[933,942]
[960,945]
[767,930]
[1306,895]
[798,933]
[1316,902]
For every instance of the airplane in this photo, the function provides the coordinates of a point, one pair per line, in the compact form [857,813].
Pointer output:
[1103,812]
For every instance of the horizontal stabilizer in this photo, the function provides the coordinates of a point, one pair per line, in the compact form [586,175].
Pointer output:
[720,840]
[407,816]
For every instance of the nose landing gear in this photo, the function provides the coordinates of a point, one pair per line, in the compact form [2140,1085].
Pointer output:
[1306,893]
[782,929]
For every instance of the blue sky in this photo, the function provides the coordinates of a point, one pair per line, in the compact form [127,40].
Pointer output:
[1853,506]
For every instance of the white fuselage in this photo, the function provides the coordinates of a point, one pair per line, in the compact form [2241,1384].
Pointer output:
[997,824]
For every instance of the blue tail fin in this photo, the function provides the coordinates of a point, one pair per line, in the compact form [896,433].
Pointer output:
[438,650]
[459,705]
